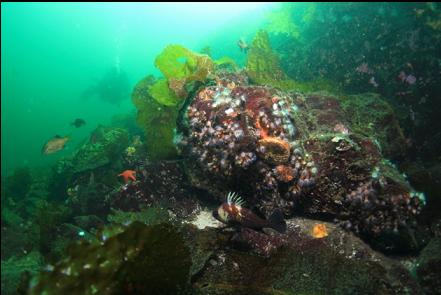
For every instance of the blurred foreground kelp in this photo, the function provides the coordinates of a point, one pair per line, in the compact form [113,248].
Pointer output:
[140,259]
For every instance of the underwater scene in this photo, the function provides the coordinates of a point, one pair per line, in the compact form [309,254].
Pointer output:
[221,148]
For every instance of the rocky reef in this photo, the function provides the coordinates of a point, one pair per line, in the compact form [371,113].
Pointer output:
[302,153]
[325,158]
[182,259]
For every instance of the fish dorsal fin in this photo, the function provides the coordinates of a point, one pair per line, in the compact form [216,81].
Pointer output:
[234,198]
[57,136]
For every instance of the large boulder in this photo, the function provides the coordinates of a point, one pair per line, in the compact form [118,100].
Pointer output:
[300,152]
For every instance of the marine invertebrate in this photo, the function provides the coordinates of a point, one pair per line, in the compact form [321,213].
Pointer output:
[319,231]
[128,175]
[274,150]
[284,173]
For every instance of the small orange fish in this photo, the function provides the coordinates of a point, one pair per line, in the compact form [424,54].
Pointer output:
[319,231]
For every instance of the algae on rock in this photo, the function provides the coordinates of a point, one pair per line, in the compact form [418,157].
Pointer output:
[105,145]
[372,116]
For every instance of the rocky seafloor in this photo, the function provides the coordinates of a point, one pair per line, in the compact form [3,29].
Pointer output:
[321,158]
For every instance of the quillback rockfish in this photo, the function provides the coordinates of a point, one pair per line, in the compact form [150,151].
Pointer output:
[232,213]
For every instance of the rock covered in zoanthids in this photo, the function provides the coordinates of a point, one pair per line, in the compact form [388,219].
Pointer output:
[299,153]
[243,138]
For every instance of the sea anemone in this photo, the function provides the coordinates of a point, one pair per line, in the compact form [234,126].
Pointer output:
[277,151]
[284,173]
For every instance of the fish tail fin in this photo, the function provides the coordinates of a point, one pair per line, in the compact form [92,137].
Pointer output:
[277,221]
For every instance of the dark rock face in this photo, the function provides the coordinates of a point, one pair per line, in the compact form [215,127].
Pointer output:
[298,263]
[158,184]
[301,153]
[169,259]
[429,267]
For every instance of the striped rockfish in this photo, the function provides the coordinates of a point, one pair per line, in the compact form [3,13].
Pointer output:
[234,214]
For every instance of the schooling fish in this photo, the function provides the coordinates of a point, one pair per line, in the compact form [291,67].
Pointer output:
[232,213]
[54,145]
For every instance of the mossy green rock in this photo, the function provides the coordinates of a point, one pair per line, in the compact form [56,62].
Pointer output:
[106,144]
[372,116]
[138,260]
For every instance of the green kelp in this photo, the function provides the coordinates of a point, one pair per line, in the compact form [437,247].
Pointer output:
[158,121]
[179,66]
[138,260]
[17,185]
[263,67]
[105,145]
[158,101]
